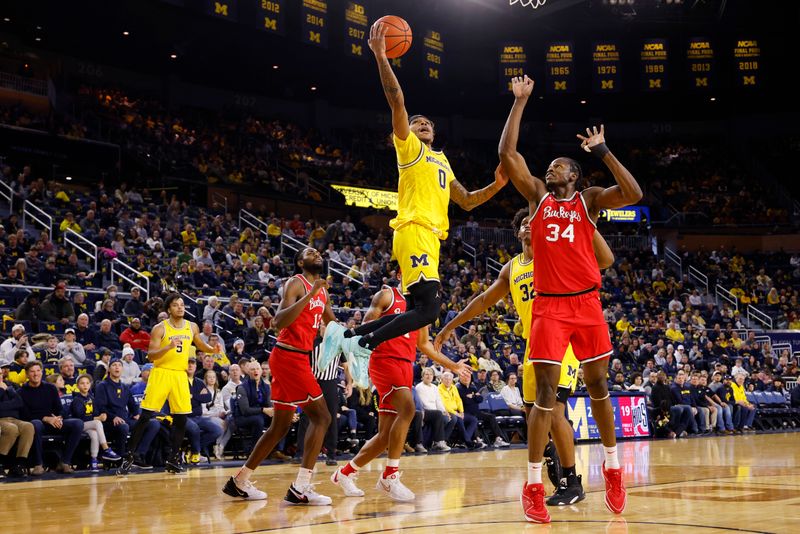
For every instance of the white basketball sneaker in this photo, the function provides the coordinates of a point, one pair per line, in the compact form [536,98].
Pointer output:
[347,483]
[395,489]
[243,490]
[306,495]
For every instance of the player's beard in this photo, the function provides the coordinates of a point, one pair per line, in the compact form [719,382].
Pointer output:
[313,268]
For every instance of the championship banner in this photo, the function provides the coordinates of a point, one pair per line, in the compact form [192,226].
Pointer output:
[747,55]
[654,64]
[630,417]
[223,9]
[315,22]
[368,198]
[700,60]
[269,15]
[606,76]
[434,50]
[630,214]
[513,62]
[356,29]
[560,75]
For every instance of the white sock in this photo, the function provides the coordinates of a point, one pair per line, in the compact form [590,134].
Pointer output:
[244,474]
[303,478]
[534,472]
[612,462]
[393,463]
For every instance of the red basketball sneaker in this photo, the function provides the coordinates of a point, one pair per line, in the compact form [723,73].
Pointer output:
[616,496]
[532,500]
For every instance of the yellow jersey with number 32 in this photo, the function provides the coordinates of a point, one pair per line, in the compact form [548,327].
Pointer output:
[423,189]
[176,358]
[521,284]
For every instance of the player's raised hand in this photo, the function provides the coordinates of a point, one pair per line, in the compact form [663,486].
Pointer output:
[522,86]
[319,285]
[441,338]
[593,138]
[377,39]
[173,343]
[500,177]
[461,369]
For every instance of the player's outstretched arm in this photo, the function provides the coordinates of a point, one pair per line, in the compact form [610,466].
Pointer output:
[426,347]
[514,166]
[472,199]
[294,301]
[603,253]
[627,190]
[391,87]
[477,306]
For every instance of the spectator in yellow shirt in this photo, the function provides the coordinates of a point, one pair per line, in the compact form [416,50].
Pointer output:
[467,424]
[624,325]
[674,333]
[502,326]
[740,398]
[69,223]
[773,299]
[188,236]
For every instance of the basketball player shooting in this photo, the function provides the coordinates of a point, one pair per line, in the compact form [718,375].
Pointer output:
[567,306]
[425,188]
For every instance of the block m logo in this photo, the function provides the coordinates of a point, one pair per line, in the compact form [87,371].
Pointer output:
[416,261]
[271,24]
[606,84]
[356,50]
[397,62]
[434,75]
[701,82]
[748,80]
[315,37]
[220,9]
[560,86]
[654,84]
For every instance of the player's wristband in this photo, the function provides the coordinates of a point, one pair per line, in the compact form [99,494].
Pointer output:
[599,150]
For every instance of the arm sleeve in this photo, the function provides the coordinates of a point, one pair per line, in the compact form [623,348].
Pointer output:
[409,151]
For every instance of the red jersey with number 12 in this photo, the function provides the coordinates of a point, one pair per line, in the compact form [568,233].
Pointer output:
[403,347]
[561,239]
[301,333]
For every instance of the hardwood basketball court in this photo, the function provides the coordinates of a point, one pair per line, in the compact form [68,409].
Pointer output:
[721,484]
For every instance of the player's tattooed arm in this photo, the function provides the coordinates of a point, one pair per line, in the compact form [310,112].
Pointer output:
[391,87]
[472,199]
[514,165]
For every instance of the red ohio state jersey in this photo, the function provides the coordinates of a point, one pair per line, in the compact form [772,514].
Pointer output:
[301,333]
[561,239]
[403,347]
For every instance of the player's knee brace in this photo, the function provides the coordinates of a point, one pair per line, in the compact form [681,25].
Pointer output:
[427,300]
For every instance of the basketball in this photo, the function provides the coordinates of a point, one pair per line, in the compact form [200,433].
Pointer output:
[398,39]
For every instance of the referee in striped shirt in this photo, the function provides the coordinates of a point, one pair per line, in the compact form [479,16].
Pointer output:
[326,378]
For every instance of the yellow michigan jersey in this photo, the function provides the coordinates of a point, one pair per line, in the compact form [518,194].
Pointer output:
[423,198]
[168,380]
[521,286]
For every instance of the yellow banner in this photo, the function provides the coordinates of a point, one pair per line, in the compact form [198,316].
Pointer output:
[368,198]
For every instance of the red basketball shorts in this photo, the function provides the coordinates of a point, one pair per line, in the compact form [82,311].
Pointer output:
[293,382]
[388,375]
[558,321]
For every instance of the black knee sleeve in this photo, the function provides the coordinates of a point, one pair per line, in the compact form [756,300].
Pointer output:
[426,300]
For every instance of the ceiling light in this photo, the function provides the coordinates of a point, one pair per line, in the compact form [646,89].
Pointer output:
[68,178]
[583,101]
[313,87]
[173,56]
[126,33]
[275,67]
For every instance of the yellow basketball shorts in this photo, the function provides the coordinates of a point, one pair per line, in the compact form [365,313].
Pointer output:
[416,249]
[566,383]
[168,384]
